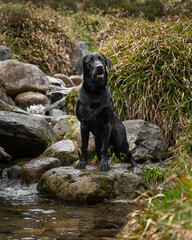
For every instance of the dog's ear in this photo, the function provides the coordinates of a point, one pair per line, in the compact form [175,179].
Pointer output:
[79,66]
[108,62]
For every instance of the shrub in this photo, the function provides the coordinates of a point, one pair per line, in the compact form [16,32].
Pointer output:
[35,36]
[151,75]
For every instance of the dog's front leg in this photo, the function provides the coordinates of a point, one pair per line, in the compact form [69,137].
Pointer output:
[84,143]
[104,164]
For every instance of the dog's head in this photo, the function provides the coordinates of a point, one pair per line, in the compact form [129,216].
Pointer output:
[95,70]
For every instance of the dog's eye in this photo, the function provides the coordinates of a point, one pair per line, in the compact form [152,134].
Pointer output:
[100,59]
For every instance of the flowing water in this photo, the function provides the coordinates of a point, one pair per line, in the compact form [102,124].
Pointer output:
[26,215]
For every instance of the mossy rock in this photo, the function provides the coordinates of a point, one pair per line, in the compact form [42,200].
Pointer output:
[71,101]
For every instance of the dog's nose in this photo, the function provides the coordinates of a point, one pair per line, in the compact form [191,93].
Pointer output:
[99,66]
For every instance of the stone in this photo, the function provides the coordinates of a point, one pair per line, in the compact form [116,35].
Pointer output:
[65,79]
[64,150]
[23,135]
[4,53]
[32,170]
[69,126]
[145,140]
[90,184]
[10,108]
[27,99]
[79,51]
[76,79]
[4,97]
[56,95]
[63,124]
[18,77]
[71,100]
[57,105]
[4,157]
[56,82]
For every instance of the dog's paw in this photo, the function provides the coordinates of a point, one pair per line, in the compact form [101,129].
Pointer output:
[80,164]
[104,166]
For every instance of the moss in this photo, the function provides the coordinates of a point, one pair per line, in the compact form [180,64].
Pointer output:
[71,101]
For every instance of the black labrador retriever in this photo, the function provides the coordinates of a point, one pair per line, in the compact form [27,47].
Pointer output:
[95,112]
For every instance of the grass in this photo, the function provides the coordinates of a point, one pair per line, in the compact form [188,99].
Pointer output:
[151,75]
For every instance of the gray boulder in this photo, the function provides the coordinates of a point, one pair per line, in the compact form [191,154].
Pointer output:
[90,184]
[76,79]
[32,170]
[4,97]
[17,77]
[24,135]
[64,150]
[4,53]
[145,140]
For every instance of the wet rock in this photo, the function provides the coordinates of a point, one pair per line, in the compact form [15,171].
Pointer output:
[24,135]
[27,99]
[14,172]
[68,82]
[32,171]
[18,77]
[4,97]
[76,79]
[10,108]
[90,184]
[4,53]
[64,150]
[57,105]
[56,82]
[4,157]
[56,95]
[146,140]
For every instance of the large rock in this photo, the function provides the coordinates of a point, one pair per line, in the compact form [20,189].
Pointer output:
[90,184]
[146,140]
[32,170]
[27,99]
[4,53]
[18,77]
[69,126]
[64,150]
[24,135]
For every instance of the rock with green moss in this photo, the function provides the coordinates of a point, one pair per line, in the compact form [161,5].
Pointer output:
[90,184]
[71,101]
[64,150]
[69,126]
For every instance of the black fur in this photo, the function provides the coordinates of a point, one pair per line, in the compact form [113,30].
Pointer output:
[95,112]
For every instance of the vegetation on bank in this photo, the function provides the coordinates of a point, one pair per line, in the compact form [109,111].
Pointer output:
[150,79]
[151,74]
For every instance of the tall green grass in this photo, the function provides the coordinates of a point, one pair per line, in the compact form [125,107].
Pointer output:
[151,75]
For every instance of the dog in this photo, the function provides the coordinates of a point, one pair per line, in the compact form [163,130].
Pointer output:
[95,112]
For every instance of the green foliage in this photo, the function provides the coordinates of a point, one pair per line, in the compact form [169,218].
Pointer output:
[153,176]
[151,75]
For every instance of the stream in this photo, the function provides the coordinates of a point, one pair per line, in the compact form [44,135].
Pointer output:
[26,215]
